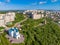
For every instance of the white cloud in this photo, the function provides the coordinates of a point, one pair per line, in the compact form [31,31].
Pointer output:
[7,1]
[42,2]
[34,3]
[54,0]
[0,2]
[3,3]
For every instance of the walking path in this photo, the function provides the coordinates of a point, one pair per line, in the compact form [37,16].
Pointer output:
[18,22]
[40,24]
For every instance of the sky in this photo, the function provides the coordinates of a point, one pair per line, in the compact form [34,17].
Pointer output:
[29,4]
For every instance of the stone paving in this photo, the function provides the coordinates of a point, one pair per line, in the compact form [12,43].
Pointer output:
[14,40]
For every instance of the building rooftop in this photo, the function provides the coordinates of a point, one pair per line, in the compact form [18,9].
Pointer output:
[13,29]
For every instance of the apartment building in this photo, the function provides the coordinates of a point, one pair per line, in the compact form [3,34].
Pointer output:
[8,17]
[35,14]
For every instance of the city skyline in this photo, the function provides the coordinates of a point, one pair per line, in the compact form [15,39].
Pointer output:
[29,4]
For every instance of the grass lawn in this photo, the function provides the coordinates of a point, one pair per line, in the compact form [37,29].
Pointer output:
[1,28]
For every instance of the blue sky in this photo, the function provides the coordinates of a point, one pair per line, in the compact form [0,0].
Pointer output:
[29,4]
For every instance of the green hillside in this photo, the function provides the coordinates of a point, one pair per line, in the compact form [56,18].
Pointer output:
[46,34]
